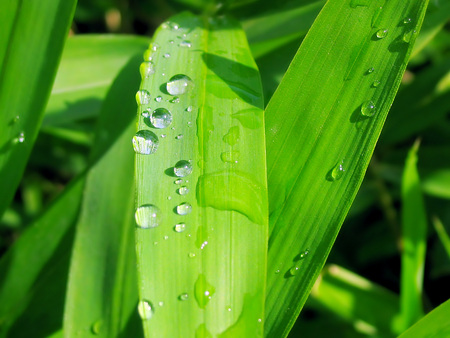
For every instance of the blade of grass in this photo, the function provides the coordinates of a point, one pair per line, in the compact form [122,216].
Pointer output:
[414,231]
[102,292]
[434,324]
[443,236]
[437,184]
[368,306]
[28,67]
[201,265]
[97,60]
[321,127]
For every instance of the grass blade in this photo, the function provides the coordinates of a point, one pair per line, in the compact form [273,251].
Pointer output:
[102,291]
[321,127]
[443,236]
[28,67]
[195,275]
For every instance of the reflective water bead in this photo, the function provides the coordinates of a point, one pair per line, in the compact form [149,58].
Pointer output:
[185,43]
[368,108]
[179,84]
[155,47]
[337,171]
[293,271]
[183,296]
[189,109]
[145,142]
[407,20]
[191,255]
[182,168]
[179,181]
[146,69]
[382,33]
[158,99]
[147,216]
[175,100]
[167,55]
[161,118]
[142,97]
[20,138]
[148,55]
[145,309]
[179,137]
[180,227]
[376,83]
[370,70]
[184,209]
[183,190]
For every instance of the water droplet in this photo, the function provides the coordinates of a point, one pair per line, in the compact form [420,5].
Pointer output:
[189,109]
[184,209]
[16,119]
[175,26]
[169,198]
[376,83]
[154,47]
[293,271]
[158,99]
[180,227]
[166,238]
[277,271]
[20,138]
[370,70]
[155,243]
[185,43]
[145,142]
[97,327]
[259,320]
[337,172]
[304,254]
[179,136]
[183,296]
[232,137]
[179,84]
[191,255]
[204,244]
[229,308]
[182,168]
[161,303]
[175,100]
[148,55]
[368,108]
[203,291]
[179,181]
[163,135]
[230,156]
[167,55]
[382,33]
[146,69]
[407,20]
[145,309]
[407,37]
[183,190]
[161,118]
[171,42]
[147,216]
[142,97]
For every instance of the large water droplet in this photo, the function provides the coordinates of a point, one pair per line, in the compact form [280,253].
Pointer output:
[143,97]
[147,216]
[145,309]
[183,190]
[179,84]
[180,227]
[382,33]
[203,291]
[145,142]
[184,209]
[230,156]
[368,108]
[182,168]
[337,172]
[161,118]
[146,69]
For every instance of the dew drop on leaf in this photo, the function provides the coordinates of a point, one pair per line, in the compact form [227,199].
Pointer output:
[180,227]
[368,108]
[179,84]
[146,69]
[147,216]
[184,209]
[145,309]
[161,118]
[182,168]
[183,296]
[382,33]
[337,172]
[142,97]
[183,190]
[145,142]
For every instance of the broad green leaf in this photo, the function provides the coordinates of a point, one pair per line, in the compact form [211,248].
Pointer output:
[414,237]
[32,34]
[321,128]
[368,306]
[89,64]
[434,324]
[25,268]
[102,289]
[443,236]
[201,223]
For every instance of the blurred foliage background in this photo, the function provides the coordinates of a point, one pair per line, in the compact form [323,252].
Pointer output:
[370,240]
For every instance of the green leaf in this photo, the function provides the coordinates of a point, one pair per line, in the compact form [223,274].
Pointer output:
[434,324]
[89,65]
[443,236]
[414,237]
[102,293]
[202,264]
[321,128]
[28,66]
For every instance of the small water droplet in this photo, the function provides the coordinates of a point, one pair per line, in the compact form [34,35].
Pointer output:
[368,108]
[189,109]
[180,227]
[163,135]
[166,238]
[183,190]
[147,216]
[148,55]
[337,172]
[203,291]
[176,99]
[179,84]
[145,142]
[154,47]
[191,255]
[230,156]
[229,308]
[179,136]
[179,181]
[142,97]
[171,42]
[161,303]
[145,309]
[382,33]
[146,69]
[97,327]
[20,138]
[155,243]
[15,119]
[182,168]
[407,20]
[161,118]
[293,271]
[376,83]
[166,55]
[184,209]
[370,70]
[185,43]
[277,271]
[259,320]
[204,244]
[183,296]
[407,37]
[158,99]
[175,26]
[232,137]
[169,197]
